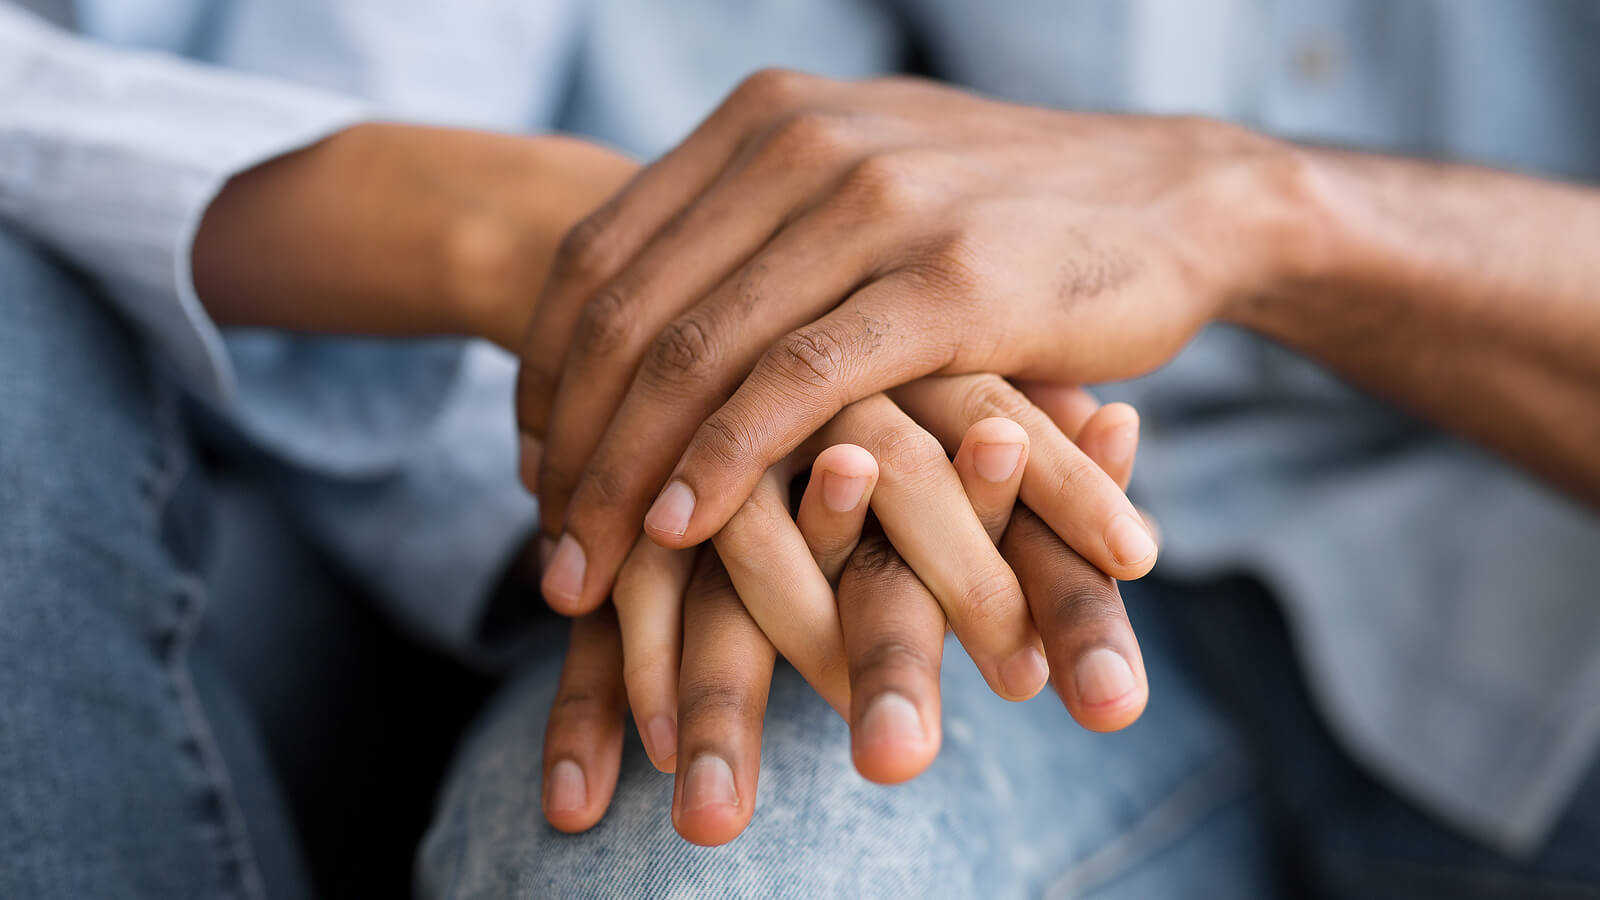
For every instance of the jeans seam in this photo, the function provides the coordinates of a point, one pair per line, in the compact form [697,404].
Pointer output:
[1219,781]
[167,472]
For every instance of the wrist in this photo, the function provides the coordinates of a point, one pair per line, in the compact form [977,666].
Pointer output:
[1301,243]
[501,233]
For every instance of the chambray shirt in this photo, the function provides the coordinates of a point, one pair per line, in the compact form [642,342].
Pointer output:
[1445,606]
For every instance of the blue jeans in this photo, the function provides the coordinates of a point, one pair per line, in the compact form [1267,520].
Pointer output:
[141,687]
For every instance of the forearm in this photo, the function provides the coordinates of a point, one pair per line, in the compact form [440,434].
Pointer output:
[1468,295]
[398,230]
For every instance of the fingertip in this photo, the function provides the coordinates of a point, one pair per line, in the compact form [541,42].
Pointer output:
[848,460]
[567,800]
[844,476]
[708,810]
[1131,546]
[892,743]
[668,519]
[562,583]
[997,430]
[1104,690]
[1024,674]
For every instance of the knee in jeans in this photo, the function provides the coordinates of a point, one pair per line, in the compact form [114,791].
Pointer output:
[77,397]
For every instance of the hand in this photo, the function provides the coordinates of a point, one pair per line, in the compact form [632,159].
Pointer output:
[931,512]
[815,242]
[892,631]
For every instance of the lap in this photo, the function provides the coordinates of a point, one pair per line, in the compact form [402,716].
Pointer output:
[113,780]
[1021,802]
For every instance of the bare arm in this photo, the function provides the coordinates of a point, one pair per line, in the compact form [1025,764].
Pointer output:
[1470,296]
[399,230]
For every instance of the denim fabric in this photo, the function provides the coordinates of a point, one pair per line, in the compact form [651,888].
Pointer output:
[1229,786]
[1444,602]
[127,761]
[1020,803]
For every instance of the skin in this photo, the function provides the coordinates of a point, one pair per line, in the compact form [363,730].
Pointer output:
[423,252]
[892,629]
[815,242]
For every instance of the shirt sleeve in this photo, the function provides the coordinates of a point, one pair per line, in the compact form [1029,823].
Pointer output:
[110,157]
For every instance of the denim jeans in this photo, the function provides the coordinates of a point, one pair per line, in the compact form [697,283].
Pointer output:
[134,729]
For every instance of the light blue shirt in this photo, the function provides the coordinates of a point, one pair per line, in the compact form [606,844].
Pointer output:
[1445,606]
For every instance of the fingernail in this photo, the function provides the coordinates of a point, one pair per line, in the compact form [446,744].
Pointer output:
[1128,540]
[563,580]
[1102,676]
[671,511]
[568,791]
[996,462]
[1025,672]
[892,719]
[842,493]
[708,783]
[532,456]
[663,738]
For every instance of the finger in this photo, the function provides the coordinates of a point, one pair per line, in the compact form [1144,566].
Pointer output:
[1068,406]
[594,251]
[921,506]
[1110,437]
[701,246]
[727,672]
[992,458]
[649,604]
[1095,662]
[693,365]
[1061,483]
[894,636]
[835,505]
[778,581]
[583,742]
[800,383]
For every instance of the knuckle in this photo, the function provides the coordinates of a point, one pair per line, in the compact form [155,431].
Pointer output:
[682,352]
[605,325]
[1074,477]
[806,137]
[907,453]
[874,558]
[891,653]
[728,442]
[884,182]
[588,251]
[578,706]
[989,396]
[772,88]
[811,358]
[988,598]
[1082,602]
[715,697]
[602,488]
[646,669]
[751,528]
[949,267]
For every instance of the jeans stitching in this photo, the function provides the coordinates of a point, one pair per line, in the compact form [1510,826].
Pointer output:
[167,472]
[1196,797]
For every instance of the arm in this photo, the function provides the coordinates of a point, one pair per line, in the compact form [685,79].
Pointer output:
[847,238]
[200,197]
[398,230]
[1468,295]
